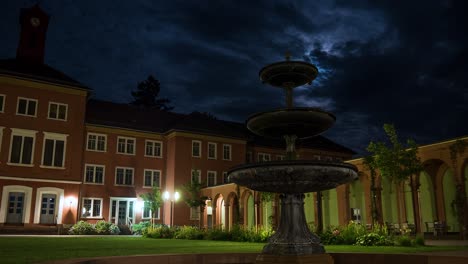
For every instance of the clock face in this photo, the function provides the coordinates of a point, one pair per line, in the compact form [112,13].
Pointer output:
[35,22]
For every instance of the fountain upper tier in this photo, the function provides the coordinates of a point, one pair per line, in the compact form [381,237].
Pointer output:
[288,74]
[302,122]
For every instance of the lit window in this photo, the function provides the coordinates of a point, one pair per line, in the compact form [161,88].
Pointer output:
[196,176]
[153,148]
[147,212]
[22,146]
[225,177]
[96,142]
[263,157]
[226,152]
[152,178]
[2,103]
[211,150]
[26,106]
[94,174]
[194,213]
[124,176]
[126,145]
[58,111]
[196,148]
[53,154]
[92,208]
[211,178]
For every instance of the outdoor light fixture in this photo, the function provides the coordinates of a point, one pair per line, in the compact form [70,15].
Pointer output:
[173,199]
[71,200]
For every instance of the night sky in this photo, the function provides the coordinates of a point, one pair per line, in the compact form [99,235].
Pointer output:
[400,62]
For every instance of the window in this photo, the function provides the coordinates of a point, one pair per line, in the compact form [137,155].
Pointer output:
[2,103]
[196,148]
[211,150]
[126,145]
[1,137]
[53,153]
[196,176]
[22,146]
[147,212]
[94,174]
[92,208]
[58,111]
[152,178]
[249,157]
[96,142]
[226,152]
[194,213]
[263,157]
[225,177]
[211,178]
[123,176]
[280,157]
[26,106]
[153,148]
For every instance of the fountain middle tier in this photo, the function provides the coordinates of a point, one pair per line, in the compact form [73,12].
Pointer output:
[293,176]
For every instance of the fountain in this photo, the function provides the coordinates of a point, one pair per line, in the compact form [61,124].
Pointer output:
[292,242]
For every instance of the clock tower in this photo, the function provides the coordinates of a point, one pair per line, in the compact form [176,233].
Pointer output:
[31,46]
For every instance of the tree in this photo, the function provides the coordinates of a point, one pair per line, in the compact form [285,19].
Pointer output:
[153,201]
[397,162]
[369,163]
[193,197]
[147,95]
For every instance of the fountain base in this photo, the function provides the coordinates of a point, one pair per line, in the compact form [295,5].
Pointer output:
[305,259]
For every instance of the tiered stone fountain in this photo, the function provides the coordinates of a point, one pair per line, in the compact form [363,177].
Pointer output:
[292,242]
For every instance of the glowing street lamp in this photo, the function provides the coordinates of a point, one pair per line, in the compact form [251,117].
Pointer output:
[173,199]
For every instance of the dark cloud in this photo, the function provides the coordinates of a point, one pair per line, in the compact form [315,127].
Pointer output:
[401,62]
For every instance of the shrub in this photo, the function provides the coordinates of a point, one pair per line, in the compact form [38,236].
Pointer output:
[114,230]
[82,228]
[189,232]
[160,231]
[218,234]
[373,239]
[404,241]
[419,240]
[140,228]
[102,227]
[351,232]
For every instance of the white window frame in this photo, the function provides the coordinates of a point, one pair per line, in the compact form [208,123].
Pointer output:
[215,150]
[261,157]
[58,110]
[3,99]
[280,157]
[94,174]
[126,144]
[208,178]
[195,213]
[97,140]
[199,148]
[152,178]
[22,133]
[92,208]
[199,175]
[150,212]
[154,142]
[55,137]
[125,168]
[230,151]
[1,137]
[27,106]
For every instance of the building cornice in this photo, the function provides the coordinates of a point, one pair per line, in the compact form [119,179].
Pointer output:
[38,84]
[38,180]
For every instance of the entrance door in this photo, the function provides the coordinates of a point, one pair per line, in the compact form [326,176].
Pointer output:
[48,208]
[15,208]
[122,215]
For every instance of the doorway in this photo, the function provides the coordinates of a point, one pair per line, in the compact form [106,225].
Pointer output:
[48,205]
[15,208]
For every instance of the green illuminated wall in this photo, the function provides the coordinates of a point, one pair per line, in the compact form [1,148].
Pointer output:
[330,208]
[389,202]
[408,204]
[448,183]
[357,198]
[267,212]
[250,212]
[426,200]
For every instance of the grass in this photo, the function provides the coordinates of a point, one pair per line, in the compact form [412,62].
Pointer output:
[39,249]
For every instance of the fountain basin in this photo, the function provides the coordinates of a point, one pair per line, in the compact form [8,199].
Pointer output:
[300,121]
[293,176]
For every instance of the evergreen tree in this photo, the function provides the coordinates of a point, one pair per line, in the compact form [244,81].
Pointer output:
[147,95]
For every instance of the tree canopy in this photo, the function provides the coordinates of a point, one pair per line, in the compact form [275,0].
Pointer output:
[147,95]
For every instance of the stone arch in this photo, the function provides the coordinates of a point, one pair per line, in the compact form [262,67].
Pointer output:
[449,193]
[232,209]
[220,211]
[426,200]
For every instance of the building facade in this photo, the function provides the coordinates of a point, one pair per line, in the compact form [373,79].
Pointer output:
[65,157]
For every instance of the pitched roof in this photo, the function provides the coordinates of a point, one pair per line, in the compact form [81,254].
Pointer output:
[127,116]
[37,71]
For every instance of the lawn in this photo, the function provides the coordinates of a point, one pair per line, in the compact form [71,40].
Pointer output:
[38,249]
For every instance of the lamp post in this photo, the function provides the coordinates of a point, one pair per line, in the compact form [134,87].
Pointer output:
[173,199]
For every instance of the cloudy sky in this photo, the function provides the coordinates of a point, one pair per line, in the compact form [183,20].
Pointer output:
[400,62]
